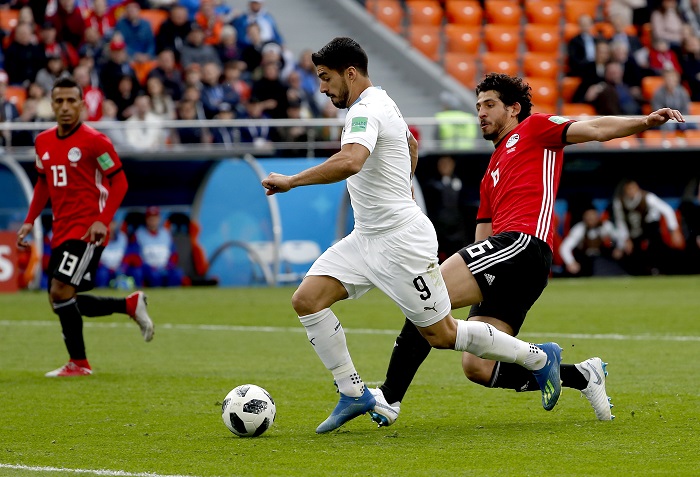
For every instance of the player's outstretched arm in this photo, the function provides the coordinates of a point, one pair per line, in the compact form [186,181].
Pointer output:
[341,165]
[611,127]
[39,201]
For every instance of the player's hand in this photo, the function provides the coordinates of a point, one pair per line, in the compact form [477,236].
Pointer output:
[677,239]
[628,247]
[573,268]
[22,234]
[618,253]
[661,116]
[96,233]
[276,183]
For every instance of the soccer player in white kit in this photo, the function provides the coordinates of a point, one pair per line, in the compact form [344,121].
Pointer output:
[393,246]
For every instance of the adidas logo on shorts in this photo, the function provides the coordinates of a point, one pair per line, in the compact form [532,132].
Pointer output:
[489,278]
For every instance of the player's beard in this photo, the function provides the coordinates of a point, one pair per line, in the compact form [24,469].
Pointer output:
[491,135]
[340,100]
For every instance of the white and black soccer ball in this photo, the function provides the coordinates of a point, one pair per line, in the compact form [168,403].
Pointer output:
[248,410]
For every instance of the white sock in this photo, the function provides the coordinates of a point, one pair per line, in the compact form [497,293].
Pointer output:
[485,341]
[328,339]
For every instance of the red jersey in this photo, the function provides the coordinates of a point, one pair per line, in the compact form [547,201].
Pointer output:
[77,168]
[518,190]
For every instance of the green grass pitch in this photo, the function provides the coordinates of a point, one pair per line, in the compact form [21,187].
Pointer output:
[154,408]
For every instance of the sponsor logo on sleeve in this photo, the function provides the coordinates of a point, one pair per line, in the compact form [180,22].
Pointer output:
[358,125]
[105,161]
[558,119]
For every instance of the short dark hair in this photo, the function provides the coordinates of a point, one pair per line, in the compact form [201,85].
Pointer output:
[67,82]
[510,89]
[340,54]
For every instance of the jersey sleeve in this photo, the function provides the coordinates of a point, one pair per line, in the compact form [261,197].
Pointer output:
[484,213]
[550,129]
[107,159]
[38,163]
[361,127]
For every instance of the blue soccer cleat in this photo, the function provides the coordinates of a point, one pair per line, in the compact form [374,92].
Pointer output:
[348,408]
[548,377]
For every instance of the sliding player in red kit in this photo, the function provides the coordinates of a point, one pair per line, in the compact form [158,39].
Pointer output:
[503,273]
[81,173]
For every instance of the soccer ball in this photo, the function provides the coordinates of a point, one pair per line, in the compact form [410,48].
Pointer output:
[248,410]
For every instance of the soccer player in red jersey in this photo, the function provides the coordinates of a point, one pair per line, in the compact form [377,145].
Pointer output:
[82,175]
[503,273]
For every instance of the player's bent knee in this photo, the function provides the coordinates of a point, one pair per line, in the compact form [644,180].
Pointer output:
[304,304]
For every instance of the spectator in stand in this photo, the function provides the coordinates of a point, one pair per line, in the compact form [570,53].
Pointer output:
[166,70]
[55,68]
[137,33]
[69,22]
[690,212]
[109,114]
[213,92]
[93,96]
[271,87]
[195,51]
[256,13]
[690,63]
[145,132]
[632,73]
[581,50]
[661,57]
[297,94]
[53,46]
[43,102]
[625,9]
[158,253]
[162,103]
[26,16]
[225,135]
[261,136]
[274,53]
[210,22]
[8,111]
[116,67]
[128,90]
[691,13]
[173,32]
[667,24]
[310,83]
[672,95]
[613,96]
[116,260]
[226,48]
[93,45]
[637,215]
[193,93]
[590,247]
[593,73]
[294,134]
[232,77]
[23,57]
[251,52]
[99,19]
[187,110]
[28,115]
[193,77]
[620,35]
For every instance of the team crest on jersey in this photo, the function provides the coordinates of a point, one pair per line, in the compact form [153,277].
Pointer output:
[74,154]
[512,140]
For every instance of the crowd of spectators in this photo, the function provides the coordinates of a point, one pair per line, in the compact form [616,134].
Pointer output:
[146,61]
[612,66]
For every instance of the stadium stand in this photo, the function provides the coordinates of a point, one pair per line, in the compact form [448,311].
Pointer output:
[464,12]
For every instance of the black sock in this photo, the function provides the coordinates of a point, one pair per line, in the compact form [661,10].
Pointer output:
[410,351]
[514,376]
[72,325]
[90,305]
[571,377]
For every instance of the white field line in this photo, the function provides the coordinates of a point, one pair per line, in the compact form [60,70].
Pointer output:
[110,473]
[89,323]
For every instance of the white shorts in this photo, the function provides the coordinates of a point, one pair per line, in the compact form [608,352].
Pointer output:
[402,264]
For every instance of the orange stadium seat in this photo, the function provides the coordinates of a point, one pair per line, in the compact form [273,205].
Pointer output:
[461,67]
[426,39]
[649,86]
[16,95]
[503,12]
[573,9]
[692,137]
[142,69]
[577,109]
[629,142]
[497,62]
[502,38]
[657,138]
[546,12]
[570,31]
[541,65]
[155,17]
[604,29]
[8,19]
[542,38]
[544,94]
[462,38]
[568,86]
[694,109]
[426,12]
[388,12]
[464,12]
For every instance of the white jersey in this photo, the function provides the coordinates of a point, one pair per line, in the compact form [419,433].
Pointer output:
[381,192]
